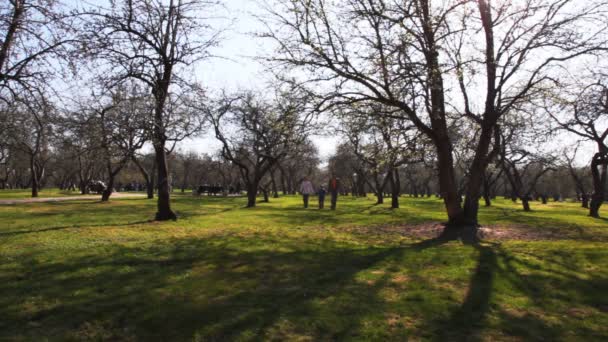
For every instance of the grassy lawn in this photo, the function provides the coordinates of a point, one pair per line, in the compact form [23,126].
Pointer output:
[85,270]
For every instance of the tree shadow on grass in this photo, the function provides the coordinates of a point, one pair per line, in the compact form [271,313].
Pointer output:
[543,287]
[75,226]
[233,288]
[233,294]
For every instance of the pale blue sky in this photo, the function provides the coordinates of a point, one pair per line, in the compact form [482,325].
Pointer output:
[235,67]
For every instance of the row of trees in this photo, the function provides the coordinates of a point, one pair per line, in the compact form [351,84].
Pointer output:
[461,73]
[476,91]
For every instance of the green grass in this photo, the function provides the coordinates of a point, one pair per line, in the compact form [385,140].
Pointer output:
[85,270]
[27,193]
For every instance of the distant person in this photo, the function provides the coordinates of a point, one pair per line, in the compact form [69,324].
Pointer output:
[334,188]
[306,189]
[321,194]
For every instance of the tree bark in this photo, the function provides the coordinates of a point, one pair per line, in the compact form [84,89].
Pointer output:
[11,33]
[599,182]
[34,176]
[252,192]
[585,201]
[395,189]
[105,195]
[447,184]
[164,211]
[526,203]
[275,190]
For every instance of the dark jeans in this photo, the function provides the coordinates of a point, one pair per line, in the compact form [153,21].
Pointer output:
[305,200]
[334,199]
[321,202]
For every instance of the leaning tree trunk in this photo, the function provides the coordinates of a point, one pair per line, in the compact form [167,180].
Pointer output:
[477,177]
[105,195]
[35,179]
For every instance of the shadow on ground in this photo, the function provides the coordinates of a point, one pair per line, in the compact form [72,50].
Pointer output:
[224,289]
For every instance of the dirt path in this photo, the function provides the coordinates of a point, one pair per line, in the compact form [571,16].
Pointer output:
[488,232]
[67,198]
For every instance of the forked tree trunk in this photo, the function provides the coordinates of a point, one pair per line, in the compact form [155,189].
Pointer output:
[148,178]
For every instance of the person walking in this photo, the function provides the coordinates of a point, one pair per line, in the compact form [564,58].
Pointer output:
[333,188]
[321,194]
[306,189]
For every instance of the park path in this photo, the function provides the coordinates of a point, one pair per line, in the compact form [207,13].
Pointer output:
[67,198]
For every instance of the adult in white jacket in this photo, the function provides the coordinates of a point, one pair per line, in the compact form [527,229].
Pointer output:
[306,189]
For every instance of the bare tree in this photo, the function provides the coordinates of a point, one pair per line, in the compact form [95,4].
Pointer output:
[30,127]
[587,120]
[256,134]
[152,42]
[578,177]
[121,119]
[523,169]
[35,36]
[390,52]
[384,144]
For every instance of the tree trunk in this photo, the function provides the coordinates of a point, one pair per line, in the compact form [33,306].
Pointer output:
[447,184]
[379,197]
[599,182]
[526,203]
[486,193]
[266,197]
[34,177]
[487,200]
[105,195]
[164,212]
[585,201]
[252,190]
[395,189]
[477,175]
[275,190]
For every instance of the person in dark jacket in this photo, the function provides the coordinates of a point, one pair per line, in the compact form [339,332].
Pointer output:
[321,194]
[334,188]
